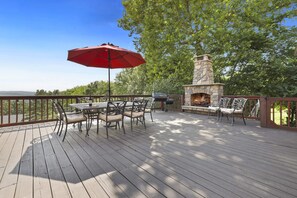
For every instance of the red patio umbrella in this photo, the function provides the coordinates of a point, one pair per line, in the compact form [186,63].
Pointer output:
[105,56]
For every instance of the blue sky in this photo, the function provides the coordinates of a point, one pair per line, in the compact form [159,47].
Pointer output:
[36,35]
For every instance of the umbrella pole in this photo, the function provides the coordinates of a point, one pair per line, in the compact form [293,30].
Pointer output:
[109,84]
[109,59]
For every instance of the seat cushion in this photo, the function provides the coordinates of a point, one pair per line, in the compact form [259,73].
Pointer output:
[73,118]
[134,114]
[110,118]
[230,111]
[213,108]
[227,110]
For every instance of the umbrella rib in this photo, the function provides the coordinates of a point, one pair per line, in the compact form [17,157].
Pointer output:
[124,58]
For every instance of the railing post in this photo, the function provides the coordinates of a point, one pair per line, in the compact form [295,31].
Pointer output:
[182,102]
[263,111]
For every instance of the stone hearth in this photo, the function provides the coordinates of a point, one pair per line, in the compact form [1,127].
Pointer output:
[203,86]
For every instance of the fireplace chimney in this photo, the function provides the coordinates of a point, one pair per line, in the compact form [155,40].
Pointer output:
[203,73]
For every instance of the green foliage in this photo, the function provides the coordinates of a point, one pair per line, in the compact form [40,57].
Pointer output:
[43,92]
[253,52]
[94,88]
[131,81]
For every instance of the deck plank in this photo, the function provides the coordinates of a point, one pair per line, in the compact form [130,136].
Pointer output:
[229,171]
[57,180]
[93,188]
[195,175]
[42,187]
[10,174]
[139,159]
[128,188]
[25,180]
[100,168]
[132,175]
[76,187]
[137,166]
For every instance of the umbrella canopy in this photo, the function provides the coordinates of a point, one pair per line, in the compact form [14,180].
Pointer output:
[105,56]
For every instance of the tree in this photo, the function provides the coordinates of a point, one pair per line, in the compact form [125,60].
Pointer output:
[247,39]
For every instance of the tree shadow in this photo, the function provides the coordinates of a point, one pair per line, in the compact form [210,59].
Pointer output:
[179,154]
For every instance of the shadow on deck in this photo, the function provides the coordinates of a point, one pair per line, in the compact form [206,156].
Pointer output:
[178,155]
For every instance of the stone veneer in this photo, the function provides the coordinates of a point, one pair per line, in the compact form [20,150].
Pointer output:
[203,72]
[203,81]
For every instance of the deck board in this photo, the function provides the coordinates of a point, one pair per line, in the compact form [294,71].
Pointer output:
[25,181]
[13,163]
[178,155]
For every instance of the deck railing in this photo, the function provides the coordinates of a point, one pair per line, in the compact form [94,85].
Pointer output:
[279,113]
[274,112]
[15,110]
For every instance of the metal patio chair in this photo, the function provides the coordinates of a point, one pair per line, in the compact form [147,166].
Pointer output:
[223,103]
[114,113]
[137,112]
[69,119]
[150,107]
[237,107]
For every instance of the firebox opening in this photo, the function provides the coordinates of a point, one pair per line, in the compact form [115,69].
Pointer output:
[200,99]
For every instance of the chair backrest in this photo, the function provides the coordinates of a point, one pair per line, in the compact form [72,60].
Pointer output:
[139,106]
[239,103]
[115,108]
[57,110]
[224,102]
[61,111]
[150,103]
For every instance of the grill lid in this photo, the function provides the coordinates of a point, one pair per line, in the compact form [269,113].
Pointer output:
[159,95]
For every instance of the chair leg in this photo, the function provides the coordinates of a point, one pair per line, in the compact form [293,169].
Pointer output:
[62,126]
[88,127]
[218,115]
[131,124]
[56,125]
[151,115]
[97,126]
[123,127]
[60,122]
[65,133]
[106,128]
[143,119]
[243,119]
[79,126]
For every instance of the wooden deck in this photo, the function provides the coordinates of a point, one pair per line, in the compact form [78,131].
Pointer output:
[178,155]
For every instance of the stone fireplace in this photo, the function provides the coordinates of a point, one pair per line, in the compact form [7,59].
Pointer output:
[203,92]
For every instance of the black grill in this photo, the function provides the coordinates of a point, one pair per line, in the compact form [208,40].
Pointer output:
[163,98]
[160,97]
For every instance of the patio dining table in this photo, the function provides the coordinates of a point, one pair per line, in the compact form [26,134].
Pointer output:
[92,109]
